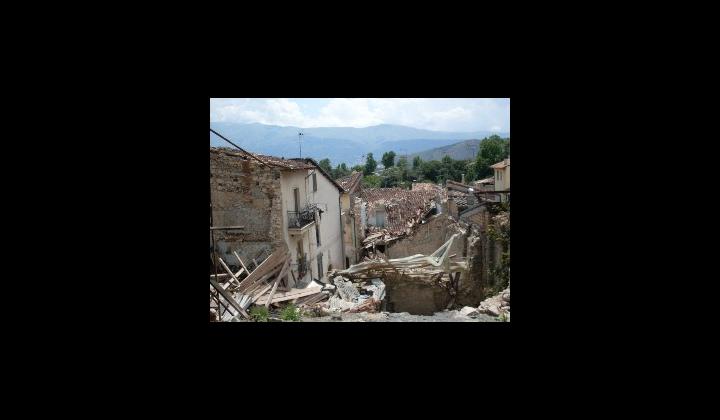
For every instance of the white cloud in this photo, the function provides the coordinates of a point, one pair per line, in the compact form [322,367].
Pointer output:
[434,114]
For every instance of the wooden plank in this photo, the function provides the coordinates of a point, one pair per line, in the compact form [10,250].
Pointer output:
[248,287]
[226,227]
[229,298]
[228,270]
[223,275]
[283,272]
[271,262]
[241,262]
[293,294]
[257,295]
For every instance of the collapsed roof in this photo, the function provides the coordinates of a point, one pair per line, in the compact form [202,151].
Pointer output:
[404,208]
[350,182]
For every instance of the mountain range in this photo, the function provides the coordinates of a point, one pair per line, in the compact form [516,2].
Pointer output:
[340,144]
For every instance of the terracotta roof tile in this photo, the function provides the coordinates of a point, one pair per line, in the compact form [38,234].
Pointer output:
[404,208]
[347,182]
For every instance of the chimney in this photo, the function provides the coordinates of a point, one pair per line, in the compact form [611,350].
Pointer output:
[463,179]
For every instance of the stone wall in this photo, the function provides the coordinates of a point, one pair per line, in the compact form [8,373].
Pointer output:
[482,253]
[426,238]
[246,193]
[417,298]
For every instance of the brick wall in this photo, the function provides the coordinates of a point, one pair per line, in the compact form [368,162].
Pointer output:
[245,193]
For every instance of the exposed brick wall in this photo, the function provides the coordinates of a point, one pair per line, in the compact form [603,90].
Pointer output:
[245,193]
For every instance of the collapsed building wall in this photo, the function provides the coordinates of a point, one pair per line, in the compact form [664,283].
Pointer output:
[416,297]
[425,238]
[484,254]
[245,193]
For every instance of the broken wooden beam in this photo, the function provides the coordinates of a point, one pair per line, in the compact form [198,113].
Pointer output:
[229,298]
[241,262]
[277,281]
[265,267]
[226,227]
[292,294]
[228,270]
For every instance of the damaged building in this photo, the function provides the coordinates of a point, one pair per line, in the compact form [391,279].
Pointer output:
[400,223]
[353,235]
[276,202]
[284,232]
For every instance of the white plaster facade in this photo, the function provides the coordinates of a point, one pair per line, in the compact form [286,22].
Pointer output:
[329,251]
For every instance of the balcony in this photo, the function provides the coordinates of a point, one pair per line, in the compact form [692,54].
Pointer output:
[299,221]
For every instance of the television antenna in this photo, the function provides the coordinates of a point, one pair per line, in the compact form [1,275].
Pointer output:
[300,136]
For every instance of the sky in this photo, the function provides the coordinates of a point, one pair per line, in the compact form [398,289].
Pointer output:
[430,113]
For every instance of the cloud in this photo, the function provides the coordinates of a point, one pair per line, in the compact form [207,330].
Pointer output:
[433,114]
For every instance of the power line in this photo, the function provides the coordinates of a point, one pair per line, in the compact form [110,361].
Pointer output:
[241,149]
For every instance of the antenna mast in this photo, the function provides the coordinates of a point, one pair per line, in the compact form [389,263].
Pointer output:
[300,134]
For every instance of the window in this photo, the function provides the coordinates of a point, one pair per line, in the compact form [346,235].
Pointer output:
[320,266]
[296,195]
[314,181]
[380,217]
[317,234]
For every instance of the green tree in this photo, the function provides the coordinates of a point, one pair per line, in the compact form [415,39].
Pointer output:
[370,164]
[493,149]
[417,162]
[402,165]
[388,159]
[431,170]
[326,166]
[358,168]
[371,181]
[340,171]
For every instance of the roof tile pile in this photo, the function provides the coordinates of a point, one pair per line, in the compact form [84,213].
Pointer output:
[404,208]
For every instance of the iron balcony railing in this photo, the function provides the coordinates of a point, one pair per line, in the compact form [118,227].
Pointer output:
[300,219]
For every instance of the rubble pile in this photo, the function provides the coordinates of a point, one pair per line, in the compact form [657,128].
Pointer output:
[497,305]
[349,298]
[268,283]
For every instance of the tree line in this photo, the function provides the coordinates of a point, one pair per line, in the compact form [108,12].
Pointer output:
[402,173]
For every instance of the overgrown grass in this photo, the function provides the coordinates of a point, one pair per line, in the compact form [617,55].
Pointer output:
[259,313]
[290,313]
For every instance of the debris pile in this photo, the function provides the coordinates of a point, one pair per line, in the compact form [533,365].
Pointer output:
[269,283]
[349,299]
[404,209]
[497,305]
[414,266]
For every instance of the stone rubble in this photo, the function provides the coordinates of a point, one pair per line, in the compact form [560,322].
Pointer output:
[497,305]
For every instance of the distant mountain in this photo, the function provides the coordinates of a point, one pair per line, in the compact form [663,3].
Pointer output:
[463,150]
[339,144]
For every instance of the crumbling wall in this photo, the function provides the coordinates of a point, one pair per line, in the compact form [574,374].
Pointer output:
[245,193]
[415,297]
[484,255]
[428,237]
